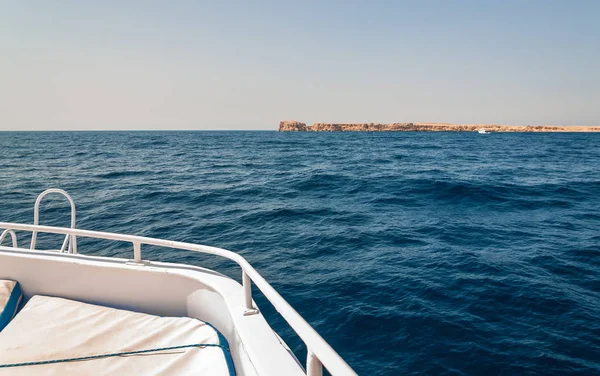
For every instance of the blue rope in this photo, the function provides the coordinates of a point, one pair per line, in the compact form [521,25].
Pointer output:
[92,357]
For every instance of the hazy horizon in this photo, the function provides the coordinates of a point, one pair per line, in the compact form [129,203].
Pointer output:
[135,65]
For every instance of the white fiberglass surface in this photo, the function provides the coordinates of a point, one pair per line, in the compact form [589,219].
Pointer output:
[156,289]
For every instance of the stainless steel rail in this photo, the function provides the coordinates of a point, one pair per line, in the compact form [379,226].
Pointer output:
[320,353]
[72,241]
[13,236]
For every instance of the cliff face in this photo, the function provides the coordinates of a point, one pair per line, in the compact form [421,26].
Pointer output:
[360,127]
[292,126]
[296,126]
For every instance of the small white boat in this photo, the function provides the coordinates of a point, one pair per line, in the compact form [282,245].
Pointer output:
[61,307]
[483,131]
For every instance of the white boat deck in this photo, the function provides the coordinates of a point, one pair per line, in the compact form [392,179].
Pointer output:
[167,289]
[57,330]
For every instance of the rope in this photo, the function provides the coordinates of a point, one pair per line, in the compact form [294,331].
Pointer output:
[92,357]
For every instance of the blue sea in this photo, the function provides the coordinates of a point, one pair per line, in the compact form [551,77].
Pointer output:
[411,253]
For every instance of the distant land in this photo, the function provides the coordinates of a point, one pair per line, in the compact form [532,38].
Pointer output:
[296,126]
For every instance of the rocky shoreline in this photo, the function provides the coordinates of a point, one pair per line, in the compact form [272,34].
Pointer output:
[296,126]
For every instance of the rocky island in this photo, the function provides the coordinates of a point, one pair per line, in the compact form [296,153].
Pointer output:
[296,126]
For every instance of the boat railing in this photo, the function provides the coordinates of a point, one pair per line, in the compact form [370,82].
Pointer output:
[319,353]
[70,239]
[13,236]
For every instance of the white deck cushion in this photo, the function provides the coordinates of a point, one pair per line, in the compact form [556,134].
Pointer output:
[10,298]
[50,328]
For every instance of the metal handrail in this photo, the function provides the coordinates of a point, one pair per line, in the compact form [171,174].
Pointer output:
[12,235]
[319,353]
[36,220]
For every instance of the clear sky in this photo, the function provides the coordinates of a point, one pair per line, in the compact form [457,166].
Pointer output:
[247,65]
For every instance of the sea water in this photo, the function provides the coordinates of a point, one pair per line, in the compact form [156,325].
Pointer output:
[411,253]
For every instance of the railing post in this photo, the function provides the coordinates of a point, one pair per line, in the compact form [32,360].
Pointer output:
[137,252]
[313,364]
[36,220]
[12,235]
[248,307]
[73,245]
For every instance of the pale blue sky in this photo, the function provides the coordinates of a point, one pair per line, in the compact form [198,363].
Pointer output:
[248,65]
